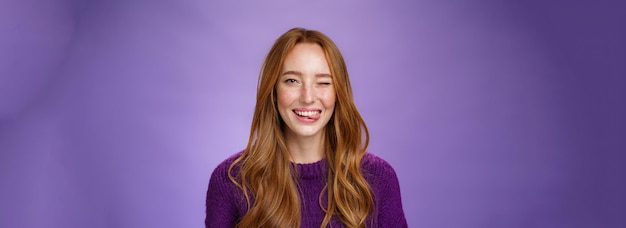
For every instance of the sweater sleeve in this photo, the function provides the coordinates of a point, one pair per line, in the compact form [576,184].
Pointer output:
[221,208]
[386,187]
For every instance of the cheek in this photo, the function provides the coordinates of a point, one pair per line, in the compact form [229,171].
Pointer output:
[328,99]
[284,98]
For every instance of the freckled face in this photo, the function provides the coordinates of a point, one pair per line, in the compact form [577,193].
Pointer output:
[305,94]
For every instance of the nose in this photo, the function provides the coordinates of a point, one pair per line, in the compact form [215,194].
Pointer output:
[307,94]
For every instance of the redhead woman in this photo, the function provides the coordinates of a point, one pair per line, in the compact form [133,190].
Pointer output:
[306,163]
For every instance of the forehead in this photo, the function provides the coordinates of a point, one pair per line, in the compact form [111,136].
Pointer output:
[306,58]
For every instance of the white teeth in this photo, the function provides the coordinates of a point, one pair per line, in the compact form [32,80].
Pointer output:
[306,113]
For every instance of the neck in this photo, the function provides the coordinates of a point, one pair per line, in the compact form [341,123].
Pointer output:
[305,149]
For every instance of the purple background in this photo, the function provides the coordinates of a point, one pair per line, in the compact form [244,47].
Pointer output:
[493,113]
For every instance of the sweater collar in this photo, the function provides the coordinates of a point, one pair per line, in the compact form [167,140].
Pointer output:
[318,169]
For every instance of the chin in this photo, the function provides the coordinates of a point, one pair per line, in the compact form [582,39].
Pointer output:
[307,132]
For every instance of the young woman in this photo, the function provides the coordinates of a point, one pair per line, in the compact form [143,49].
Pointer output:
[305,164]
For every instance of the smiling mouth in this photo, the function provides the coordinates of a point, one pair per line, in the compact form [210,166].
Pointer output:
[307,113]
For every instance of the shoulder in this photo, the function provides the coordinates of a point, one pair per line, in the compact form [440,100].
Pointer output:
[374,165]
[225,164]
[221,170]
[223,207]
[378,172]
[220,185]
[384,183]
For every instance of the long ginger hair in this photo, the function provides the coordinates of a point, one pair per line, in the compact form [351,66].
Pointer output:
[264,172]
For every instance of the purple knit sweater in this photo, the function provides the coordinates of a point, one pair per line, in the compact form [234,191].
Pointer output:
[225,204]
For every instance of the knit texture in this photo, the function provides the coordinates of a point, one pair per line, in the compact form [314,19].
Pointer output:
[225,204]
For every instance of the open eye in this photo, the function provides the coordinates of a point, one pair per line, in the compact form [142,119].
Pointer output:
[291,80]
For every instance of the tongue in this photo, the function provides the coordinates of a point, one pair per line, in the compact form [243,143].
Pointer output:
[309,117]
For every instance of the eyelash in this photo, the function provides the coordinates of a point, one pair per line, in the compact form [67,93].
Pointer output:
[294,81]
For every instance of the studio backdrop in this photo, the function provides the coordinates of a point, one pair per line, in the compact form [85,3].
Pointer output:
[493,113]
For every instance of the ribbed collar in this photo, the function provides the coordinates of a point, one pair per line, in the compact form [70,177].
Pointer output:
[318,169]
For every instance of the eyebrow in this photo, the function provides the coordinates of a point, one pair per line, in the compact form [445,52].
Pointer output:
[298,73]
